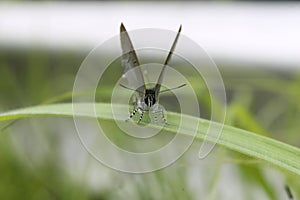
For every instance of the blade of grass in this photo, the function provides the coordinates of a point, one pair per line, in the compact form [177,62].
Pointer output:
[272,151]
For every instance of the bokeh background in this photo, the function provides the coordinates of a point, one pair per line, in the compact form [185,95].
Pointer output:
[42,45]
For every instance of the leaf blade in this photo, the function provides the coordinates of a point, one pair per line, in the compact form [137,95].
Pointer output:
[272,151]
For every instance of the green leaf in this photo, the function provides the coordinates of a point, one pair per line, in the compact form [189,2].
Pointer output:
[272,151]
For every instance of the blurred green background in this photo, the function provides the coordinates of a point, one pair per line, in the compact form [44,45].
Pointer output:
[42,158]
[43,161]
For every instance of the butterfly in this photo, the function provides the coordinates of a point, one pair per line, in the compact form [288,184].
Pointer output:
[146,99]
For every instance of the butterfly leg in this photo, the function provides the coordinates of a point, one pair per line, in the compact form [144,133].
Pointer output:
[163,117]
[155,119]
[132,113]
[157,113]
[141,117]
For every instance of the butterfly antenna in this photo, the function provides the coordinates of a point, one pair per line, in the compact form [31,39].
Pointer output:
[128,88]
[167,90]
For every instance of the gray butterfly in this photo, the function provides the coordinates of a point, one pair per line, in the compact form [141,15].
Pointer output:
[145,98]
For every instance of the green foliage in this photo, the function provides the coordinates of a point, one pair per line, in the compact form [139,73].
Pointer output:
[265,102]
[251,144]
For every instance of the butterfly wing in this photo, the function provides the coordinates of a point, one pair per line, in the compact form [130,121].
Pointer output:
[130,61]
[161,76]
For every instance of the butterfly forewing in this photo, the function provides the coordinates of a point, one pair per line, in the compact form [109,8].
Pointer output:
[130,61]
[161,75]
[147,99]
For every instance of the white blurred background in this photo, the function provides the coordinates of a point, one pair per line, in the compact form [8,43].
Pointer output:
[238,33]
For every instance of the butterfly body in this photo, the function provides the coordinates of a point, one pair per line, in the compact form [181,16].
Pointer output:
[150,99]
[145,99]
[144,103]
